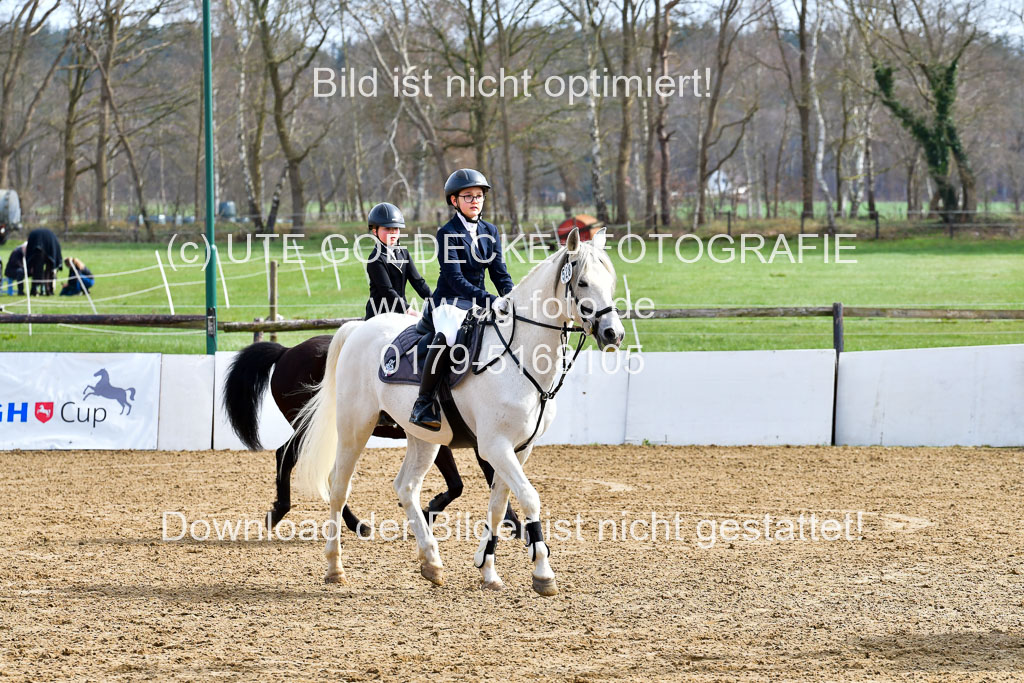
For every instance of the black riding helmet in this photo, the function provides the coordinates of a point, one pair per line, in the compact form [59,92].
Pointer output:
[461,179]
[385,215]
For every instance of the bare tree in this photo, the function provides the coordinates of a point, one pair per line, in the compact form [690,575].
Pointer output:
[77,72]
[19,32]
[291,34]
[591,19]
[800,90]
[732,17]
[390,26]
[819,155]
[925,41]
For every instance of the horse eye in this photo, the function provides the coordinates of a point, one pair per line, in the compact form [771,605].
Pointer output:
[583,283]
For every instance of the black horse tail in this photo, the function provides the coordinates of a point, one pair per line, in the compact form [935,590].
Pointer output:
[244,387]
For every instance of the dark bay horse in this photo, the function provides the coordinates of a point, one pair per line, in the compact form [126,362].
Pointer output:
[297,371]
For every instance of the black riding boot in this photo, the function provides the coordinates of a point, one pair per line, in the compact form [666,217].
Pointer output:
[426,413]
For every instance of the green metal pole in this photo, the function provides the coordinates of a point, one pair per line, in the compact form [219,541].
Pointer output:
[211,264]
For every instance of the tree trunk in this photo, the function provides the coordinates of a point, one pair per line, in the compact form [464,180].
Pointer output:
[420,174]
[102,173]
[764,185]
[298,189]
[819,156]
[527,181]
[663,135]
[506,168]
[804,110]
[275,201]
[913,200]
[626,128]
[100,167]
[753,198]
[869,162]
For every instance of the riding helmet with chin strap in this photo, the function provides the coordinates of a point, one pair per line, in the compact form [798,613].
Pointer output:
[385,215]
[461,179]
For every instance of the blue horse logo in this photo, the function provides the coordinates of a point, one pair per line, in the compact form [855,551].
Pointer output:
[105,389]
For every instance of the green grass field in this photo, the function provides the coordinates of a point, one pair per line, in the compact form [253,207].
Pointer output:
[914,272]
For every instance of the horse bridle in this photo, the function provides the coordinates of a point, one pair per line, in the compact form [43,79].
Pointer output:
[589,321]
[565,329]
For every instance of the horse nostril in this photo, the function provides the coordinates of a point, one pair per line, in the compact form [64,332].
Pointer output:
[610,334]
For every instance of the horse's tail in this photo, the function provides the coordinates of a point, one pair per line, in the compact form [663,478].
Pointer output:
[317,423]
[244,387]
[131,390]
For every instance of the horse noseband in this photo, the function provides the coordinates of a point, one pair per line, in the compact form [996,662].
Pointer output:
[589,319]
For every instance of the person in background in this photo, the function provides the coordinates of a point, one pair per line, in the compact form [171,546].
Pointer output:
[80,278]
[390,267]
[42,258]
[15,270]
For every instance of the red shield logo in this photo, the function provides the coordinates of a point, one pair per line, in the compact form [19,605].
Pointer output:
[44,411]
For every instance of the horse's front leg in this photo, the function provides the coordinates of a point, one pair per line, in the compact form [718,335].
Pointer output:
[511,519]
[509,468]
[419,456]
[484,557]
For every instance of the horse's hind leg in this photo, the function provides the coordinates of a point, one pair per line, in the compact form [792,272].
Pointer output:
[285,456]
[445,463]
[341,485]
[419,456]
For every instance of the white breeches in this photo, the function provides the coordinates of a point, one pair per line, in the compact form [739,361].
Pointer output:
[447,320]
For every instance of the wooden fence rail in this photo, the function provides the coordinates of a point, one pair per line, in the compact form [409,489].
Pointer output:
[836,311]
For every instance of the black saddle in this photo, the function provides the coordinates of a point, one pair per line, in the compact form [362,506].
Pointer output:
[403,359]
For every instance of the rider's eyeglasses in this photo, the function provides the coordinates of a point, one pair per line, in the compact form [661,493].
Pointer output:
[472,198]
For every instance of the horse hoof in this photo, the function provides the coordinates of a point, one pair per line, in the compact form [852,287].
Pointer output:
[363,530]
[546,587]
[434,575]
[337,577]
[274,518]
[492,585]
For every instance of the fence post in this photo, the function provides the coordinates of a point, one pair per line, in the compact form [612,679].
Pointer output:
[837,327]
[257,336]
[837,344]
[273,297]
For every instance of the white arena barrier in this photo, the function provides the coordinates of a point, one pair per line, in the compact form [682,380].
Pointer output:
[591,406]
[968,396]
[910,397]
[79,400]
[732,398]
[186,402]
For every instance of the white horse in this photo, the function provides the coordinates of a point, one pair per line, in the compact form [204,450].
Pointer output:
[503,406]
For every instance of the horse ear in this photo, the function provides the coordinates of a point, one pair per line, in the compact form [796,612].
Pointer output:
[598,239]
[572,242]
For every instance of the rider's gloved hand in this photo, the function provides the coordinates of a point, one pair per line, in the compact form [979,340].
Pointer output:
[502,305]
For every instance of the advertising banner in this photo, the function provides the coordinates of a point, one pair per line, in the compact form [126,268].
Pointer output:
[79,400]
